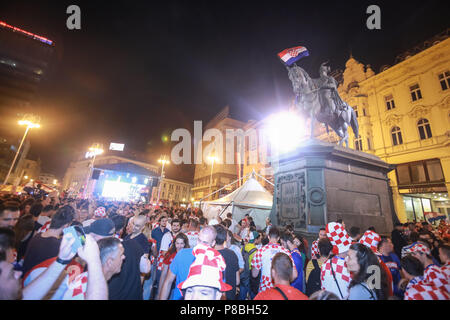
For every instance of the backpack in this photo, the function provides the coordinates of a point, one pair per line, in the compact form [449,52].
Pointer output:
[314,283]
[246,274]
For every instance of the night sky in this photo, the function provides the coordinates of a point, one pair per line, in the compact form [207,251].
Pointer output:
[140,69]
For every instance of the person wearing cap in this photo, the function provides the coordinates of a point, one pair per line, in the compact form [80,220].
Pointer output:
[179,268]
[281,272]
[371,239]
[334,273]
[99,213]
[417,287]
[432,272]
[204,281]
[444,255]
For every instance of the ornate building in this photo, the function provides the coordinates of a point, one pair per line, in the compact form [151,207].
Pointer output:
[404,118]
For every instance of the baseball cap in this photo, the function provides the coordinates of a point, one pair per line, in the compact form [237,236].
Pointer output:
[253,236]
[103,227]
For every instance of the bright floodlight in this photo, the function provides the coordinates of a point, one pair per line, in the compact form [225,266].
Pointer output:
[29,124]
[285,131]
[134,179]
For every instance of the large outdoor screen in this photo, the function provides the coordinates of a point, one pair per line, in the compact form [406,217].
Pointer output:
[121,190]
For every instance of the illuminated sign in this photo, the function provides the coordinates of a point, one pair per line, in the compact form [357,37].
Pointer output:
[26,33]
[116,146]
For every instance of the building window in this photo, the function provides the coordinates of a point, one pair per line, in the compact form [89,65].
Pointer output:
[416,94]
[390,104]
[356,110]
[369,146]
[419,173]
[396,136]
[364,112]
[444,79]
[424,129]
[358,143]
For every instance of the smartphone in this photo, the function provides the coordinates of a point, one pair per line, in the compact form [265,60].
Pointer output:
[79,235]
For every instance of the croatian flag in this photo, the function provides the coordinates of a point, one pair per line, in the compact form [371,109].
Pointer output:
[292,55]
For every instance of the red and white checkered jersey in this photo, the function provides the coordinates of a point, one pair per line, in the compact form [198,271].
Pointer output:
[420,289]
[446,270]
[434,275]
[77,288]
[192,237]
[160,259]
[315,254]
[342,276]
[45,227]
[166,242]
[262,260]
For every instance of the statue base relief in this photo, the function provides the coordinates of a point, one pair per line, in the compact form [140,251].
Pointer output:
[321,182]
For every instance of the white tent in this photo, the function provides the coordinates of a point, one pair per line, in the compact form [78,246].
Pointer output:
[251,198]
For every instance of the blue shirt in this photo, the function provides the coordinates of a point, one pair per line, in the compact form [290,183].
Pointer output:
[394,265]
[157,234]
[180,268]
[298,260]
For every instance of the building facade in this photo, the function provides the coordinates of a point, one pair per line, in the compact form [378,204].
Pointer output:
[211,176]
[25,60]
[404,117]
[174,192]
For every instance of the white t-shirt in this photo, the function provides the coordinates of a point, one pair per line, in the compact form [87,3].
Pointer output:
[192,237]
[166,241]
[233,225]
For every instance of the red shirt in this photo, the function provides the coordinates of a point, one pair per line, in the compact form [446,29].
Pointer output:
[273,294]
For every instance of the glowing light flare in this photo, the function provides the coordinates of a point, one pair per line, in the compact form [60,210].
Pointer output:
[29,34]
[285,131]
[164,161]
[213,159]
[29,124]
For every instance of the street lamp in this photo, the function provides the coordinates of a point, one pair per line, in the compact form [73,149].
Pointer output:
[212,159]
[93,152]
[163,162]
[31,121]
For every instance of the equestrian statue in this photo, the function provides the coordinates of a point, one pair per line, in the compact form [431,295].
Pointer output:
[318,99]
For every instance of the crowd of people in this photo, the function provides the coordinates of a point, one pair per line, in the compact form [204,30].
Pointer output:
[60,248]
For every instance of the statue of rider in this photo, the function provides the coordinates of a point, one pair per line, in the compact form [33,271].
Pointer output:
[329,97]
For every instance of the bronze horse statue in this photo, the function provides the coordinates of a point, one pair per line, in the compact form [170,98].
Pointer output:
[319,100]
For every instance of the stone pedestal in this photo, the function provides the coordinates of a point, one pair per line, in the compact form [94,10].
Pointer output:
[321,182]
